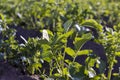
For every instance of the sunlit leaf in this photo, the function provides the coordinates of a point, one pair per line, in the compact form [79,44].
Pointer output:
[1,17]
[63,37]
[35,66]
[93,24]
[117,54]
[84,52]
[70,51]
[90,62]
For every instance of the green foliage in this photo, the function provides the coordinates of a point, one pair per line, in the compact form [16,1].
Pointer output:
[57,21]
[79,42]
[110,41]
[70,52]
[93,24]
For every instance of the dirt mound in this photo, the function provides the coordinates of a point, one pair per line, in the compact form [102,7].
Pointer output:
[7,72]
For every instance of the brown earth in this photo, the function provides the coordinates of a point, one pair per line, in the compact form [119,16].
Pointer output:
[7,72]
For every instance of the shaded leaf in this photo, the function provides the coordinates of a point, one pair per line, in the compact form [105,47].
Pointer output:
[33,67]
[79,42]
[77,71]
[67,25]
[102,66]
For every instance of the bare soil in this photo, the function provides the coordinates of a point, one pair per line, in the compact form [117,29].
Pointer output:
[8,72]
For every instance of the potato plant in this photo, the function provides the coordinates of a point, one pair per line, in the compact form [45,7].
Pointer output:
[58,21]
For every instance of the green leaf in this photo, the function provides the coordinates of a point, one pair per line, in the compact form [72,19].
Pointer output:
[90,62]
[79,42]
[70,51]
[117,54]
[65,71]
[102,66]
[84,52]
[68,61]
[46,52]
[1,16]
[47,56]
[87,36]
[96,78]
[57,75]
[63,37]
[77,71]
[69,33]
[93,24]
[50,33]
[43,41]
[35,66]
[67,25]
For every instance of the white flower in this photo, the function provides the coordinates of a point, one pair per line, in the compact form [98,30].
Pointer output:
[45,35]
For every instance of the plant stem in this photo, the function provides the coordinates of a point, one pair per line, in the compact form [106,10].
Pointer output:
[110,68]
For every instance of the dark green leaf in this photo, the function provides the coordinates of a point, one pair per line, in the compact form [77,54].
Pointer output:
[79,42]
[102,66]
[67,25]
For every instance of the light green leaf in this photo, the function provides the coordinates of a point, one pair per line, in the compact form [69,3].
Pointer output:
[57,75]
[65,71]
[70,51]
[117,54]
[63,37]
[87,36]
[93,24]
[84,52]
[33,67]
[79,42]
[67,34]
[90,62]
[1,16]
